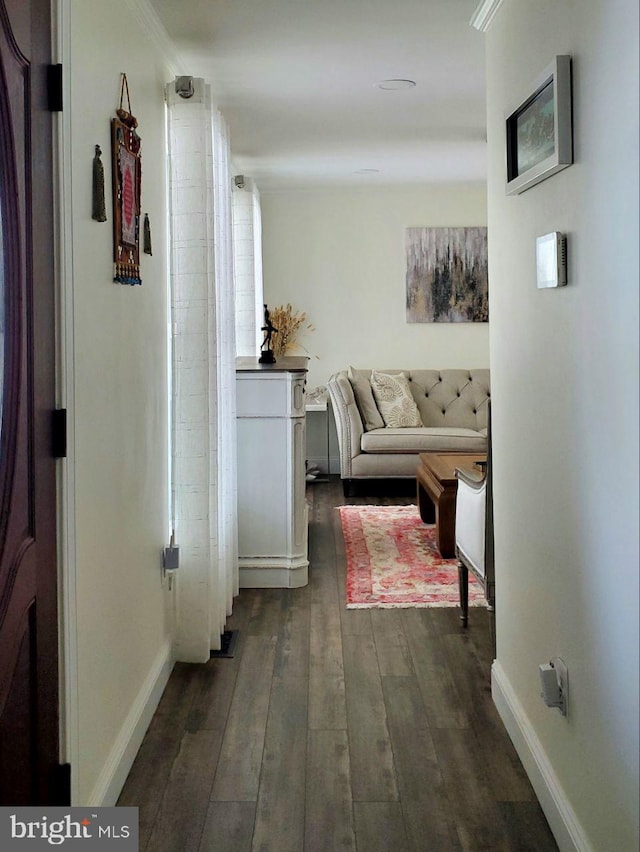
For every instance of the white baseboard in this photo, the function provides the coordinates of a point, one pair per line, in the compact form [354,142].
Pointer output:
[259,574]
[561,817]
[125,748]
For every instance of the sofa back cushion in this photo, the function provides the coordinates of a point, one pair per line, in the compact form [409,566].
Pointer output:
[451,397]
[371,417]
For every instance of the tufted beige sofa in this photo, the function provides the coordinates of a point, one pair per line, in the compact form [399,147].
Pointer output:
[453,409]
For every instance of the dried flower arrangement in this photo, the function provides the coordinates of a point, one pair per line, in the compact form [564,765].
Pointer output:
[288,323]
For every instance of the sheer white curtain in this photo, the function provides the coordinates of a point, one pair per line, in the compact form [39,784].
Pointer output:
[203,332]
[247,265]
[226,351]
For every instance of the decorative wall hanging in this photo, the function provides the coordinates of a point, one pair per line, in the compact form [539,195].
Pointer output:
[98,207]
[146,245]
[447,275]
[127,175]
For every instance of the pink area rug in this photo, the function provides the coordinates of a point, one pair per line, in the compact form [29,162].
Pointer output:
[393,561]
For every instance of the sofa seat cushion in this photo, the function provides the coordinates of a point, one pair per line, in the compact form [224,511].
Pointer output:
[423,439]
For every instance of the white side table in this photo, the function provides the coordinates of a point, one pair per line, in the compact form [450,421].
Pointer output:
[322,405]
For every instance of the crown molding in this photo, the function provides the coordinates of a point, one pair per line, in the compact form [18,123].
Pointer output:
[154,28]
[485,12]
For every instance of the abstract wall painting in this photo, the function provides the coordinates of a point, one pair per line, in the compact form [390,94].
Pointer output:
[447,275]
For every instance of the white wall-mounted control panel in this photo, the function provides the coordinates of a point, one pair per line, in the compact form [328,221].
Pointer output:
[551,260]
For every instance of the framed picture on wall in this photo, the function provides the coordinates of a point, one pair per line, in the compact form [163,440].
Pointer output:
[447,275]
[539,136]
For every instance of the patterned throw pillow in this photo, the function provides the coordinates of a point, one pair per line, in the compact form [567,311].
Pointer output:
[394,400]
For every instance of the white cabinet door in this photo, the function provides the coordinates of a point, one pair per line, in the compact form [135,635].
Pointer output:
[263,491]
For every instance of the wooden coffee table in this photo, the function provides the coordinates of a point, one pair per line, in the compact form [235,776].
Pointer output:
[437,487]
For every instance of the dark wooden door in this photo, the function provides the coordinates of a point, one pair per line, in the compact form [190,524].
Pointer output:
[29,694]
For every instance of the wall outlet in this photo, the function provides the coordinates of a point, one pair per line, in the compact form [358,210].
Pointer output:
[171,558]
[170,562]
[554,678]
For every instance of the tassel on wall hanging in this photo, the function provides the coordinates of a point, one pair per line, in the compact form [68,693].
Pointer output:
[98,209]
[147,235]
[127,178]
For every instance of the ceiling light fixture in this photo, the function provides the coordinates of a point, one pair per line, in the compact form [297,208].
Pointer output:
[367,171]
[396,85]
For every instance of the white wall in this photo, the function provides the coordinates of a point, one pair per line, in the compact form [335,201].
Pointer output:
[339,255]
[565,414]
[120,411]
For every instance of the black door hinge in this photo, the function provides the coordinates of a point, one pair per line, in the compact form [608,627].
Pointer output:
[54,88]
[60,791]
[59,433]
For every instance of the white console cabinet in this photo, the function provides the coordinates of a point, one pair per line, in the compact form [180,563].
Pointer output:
[272,510]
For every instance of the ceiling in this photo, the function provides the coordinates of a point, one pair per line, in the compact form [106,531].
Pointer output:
[296,81]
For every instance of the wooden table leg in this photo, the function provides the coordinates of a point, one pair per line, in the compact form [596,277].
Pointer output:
[425,505]
[446,523]
[463,584]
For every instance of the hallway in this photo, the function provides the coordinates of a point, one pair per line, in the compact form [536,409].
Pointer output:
[335,729]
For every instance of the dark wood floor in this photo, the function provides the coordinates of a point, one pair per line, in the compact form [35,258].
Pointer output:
[335,729]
